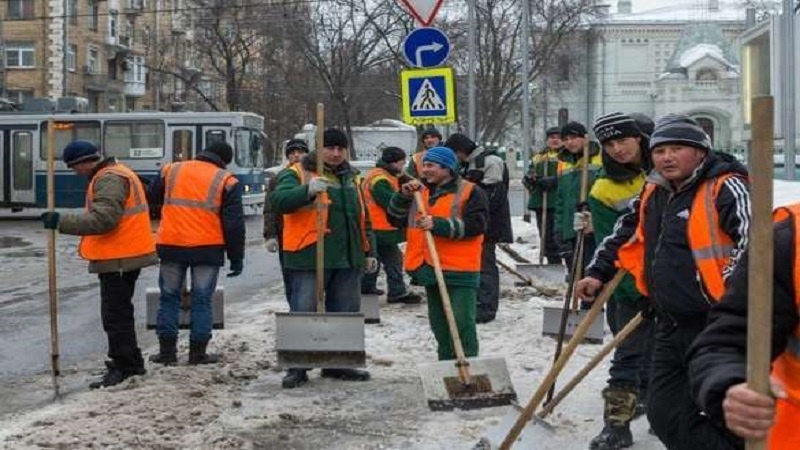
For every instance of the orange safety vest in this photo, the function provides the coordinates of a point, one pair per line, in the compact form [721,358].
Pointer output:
[377,214]
[455,255]
[300,226]
[192,202]
[711,246]
[132,236]
[786,368]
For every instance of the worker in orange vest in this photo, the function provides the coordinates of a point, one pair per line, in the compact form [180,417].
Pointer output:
[718,358]
[681,240]
[117,240]
[202,220]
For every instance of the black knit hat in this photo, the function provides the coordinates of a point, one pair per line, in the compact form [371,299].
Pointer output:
[392,154]
[295,144]
[553,130]
[644,123]
[615,125]
[458,142]
[221,149]
[431,131]
[573,129]
[80,151]
[334,137]
[679,129]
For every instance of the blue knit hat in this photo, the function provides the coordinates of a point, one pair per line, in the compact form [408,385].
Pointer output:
[77,152]
[442,156]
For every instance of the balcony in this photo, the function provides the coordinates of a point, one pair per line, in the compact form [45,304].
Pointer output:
[134,89]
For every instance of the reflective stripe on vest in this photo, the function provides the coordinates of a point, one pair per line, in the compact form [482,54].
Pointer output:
[377,213]
[711,246]
[300,226]
[786,368]
[456,253]
[133,235]
[190,216]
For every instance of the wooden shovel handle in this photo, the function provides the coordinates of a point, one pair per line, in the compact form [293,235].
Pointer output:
[320,263]
[543,228]
[461,360]
[51,257]
[558,366]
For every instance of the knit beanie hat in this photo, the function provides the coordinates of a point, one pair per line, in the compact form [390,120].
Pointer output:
[80,151]
[431,131]
[392,154]
[679,129]
[644,123]
[573,129]
[221,149]
[334,137]
[552,130]
[615,125]
[460,143]
[295,144]
[442,156]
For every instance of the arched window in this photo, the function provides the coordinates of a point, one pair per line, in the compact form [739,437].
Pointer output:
[707,125]
[706,75]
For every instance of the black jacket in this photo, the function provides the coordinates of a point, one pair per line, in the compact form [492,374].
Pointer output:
[670,272]
[480,160]
[717,359]
[233,225]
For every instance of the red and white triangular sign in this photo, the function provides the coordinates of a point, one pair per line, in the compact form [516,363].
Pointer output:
[423,10]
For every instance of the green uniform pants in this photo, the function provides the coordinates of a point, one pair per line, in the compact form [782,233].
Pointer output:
[463,300]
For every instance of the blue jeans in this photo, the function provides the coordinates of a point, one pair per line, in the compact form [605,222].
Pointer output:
[391,259]
[342,290]
[171,279]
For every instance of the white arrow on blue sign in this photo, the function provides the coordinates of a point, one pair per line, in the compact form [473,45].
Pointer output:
[426,47]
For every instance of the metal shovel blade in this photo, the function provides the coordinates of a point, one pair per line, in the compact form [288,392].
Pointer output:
[535,432]
[545,273]
[489,376]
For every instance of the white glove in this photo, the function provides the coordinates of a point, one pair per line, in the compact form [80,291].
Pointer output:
[582,221]
[272,245]
[370,265]
[317,185]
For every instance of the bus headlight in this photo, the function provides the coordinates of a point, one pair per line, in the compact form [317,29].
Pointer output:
[246,188]
[263,188]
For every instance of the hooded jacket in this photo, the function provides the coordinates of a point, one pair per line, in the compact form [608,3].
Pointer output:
[671,275]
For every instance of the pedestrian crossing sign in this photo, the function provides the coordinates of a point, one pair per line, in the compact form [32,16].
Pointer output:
[428,96]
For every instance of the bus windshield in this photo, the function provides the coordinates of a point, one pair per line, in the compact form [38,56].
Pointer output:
[66,132]
[249,148]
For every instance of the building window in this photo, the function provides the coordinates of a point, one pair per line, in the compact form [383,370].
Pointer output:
[19,9]
[20,55]
[112,23]
[19,96]
[92,61]
[135,71]
[707,75]
[72,57]
[91,18]
[72,11]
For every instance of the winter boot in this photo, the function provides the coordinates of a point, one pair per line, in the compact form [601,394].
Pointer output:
[167,351]
[294,378]
[346,374]
[198,355]
[409,298]
[115,375]
[620,406]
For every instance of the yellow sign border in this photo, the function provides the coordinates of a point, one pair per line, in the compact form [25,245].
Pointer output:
[406,75]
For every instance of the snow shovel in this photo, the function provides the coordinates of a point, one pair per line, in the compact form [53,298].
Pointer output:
[468,383]
[320,339]
[547,273]
[51,259]
[517,429]
[760,250]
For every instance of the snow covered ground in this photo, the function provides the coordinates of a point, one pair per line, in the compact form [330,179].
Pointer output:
[239,403]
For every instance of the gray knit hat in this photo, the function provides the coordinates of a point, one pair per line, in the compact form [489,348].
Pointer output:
[679,129]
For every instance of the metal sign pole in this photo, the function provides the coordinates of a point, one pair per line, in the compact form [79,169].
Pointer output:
[473,65]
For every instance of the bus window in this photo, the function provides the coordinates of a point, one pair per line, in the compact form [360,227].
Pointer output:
[67,132]
[22,148]
[181,145]
[134,139]
[257,149]
[214,136]
[248,148]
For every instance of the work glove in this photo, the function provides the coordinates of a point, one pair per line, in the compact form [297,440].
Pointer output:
[317,185]
[50,220]
[236,268]
[272,245]
[370,265]
[582,221]
[529,182]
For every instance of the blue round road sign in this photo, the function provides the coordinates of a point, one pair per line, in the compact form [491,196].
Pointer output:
[426,47]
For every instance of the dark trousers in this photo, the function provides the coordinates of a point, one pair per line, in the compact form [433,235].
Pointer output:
[391,259]
[631,362]
[287,277]
[489,290]
[672,413]
[116,312]
[551,250]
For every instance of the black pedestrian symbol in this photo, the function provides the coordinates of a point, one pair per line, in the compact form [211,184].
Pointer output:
[427,99]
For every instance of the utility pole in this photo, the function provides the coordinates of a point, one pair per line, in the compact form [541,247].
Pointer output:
[526,88]
[473,65]
[788,73]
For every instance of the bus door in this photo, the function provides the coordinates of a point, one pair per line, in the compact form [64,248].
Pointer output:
[183,143]
[18,178]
